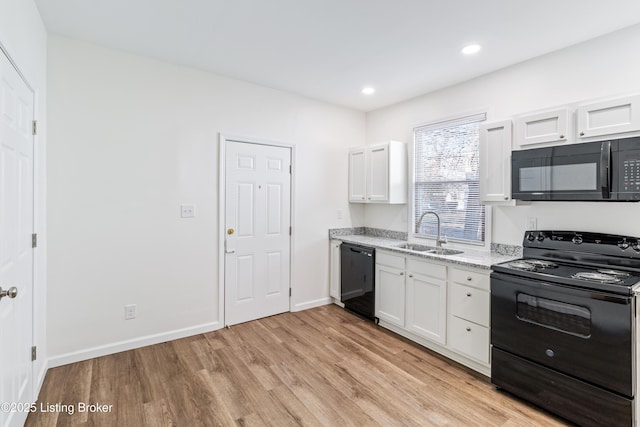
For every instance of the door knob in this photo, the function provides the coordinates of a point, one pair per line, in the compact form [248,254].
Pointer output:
[12,292]
[230,231]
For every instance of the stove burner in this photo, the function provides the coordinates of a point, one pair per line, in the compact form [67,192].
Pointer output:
[522,265]
[596,277]
[615,273]
[542,264]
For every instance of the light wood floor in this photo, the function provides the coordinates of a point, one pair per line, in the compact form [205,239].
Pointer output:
[317,367]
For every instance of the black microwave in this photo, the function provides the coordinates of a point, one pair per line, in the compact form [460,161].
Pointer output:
[591,171]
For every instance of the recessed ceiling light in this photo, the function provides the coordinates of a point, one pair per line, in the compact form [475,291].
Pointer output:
[471,49]
[368,90]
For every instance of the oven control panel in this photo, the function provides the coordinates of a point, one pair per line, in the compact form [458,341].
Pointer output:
[596,243]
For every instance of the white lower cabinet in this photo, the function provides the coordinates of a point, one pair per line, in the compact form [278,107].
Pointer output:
[334,270]
[426,290]
[432,302]
[469,313]
[390,289]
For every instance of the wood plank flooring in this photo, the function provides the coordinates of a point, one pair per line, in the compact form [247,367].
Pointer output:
[319,367]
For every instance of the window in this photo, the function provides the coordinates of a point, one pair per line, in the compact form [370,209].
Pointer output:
[446,180]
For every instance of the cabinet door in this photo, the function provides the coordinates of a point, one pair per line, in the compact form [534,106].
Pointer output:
[334,275]
[358,175]
[378,175]
[609,117]
[390,294]
[550,126]
[495,162]
[426,307]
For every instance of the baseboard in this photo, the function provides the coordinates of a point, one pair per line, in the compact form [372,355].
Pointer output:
[90,353]
[311,304]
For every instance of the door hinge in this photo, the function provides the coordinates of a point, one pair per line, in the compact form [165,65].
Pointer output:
[34,127]
[289,169]
[33,353]
[289,291]
[34,240]
[290,232]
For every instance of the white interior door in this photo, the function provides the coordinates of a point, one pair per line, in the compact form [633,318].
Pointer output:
[257,231]
[16,254]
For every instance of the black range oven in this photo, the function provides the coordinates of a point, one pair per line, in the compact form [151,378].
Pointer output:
[563,325]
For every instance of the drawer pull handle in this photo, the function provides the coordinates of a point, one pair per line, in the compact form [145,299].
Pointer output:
[468,329]
[402,274]
[468,294]
[469,278]
[411,275]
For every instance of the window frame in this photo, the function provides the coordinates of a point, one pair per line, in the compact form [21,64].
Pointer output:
[411,226]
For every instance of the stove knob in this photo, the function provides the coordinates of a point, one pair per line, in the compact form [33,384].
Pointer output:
[635,246]
[531,237]
[577,240]
[624,244]
[540,237]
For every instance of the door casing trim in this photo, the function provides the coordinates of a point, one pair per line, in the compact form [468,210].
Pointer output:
[223,138]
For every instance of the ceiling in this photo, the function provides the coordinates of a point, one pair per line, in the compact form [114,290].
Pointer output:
[331,49]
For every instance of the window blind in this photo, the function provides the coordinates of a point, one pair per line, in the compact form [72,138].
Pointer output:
[446,179]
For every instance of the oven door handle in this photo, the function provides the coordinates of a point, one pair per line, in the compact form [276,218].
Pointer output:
[605,169]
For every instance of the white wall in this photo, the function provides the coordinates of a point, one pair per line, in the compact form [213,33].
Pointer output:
[24,36]
[602,67]
[130,140]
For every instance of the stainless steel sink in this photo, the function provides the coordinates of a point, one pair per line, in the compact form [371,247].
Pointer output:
[443,251]
[416,247]
[428,249]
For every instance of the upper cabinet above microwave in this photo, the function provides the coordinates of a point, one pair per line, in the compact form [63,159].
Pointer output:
[378,173]
[546,127]
[495,163]
[603,118]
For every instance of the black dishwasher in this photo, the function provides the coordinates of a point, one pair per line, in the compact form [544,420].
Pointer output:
[357,277]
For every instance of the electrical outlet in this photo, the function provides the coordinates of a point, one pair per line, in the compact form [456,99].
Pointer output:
[339,214]
[187,211]
[129,312]
[532,223]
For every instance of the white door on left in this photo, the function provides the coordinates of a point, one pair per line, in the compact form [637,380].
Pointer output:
[16,253]
[257,237]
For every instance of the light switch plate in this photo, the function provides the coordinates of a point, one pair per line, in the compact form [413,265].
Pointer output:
[187,211]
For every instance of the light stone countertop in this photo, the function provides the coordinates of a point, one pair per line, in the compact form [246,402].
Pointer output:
[469,258]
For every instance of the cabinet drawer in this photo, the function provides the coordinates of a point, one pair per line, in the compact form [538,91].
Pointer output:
[469,339]
[386,258]
[425,268]
[470,303]
[470,278]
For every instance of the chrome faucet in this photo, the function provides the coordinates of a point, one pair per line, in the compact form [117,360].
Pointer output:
[438,241]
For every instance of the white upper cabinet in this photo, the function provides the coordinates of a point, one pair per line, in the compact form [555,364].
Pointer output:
[378,173]
[605,118]
[495,162]
[358,175]
[539,128]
